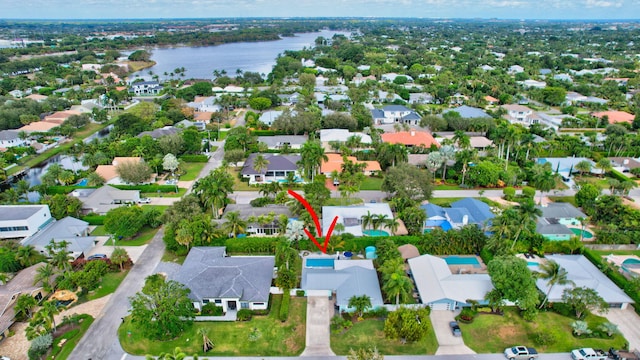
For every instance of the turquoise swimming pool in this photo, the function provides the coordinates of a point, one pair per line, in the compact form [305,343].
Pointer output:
[319,263]
[585,234]
[370,232]
[531,263]
[631,263]
[462,260]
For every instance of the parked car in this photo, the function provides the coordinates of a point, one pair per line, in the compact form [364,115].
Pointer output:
[171,182]
[4,358]
[144,201]
[455,329]
[589,354]
[97,257]
[520,352]
[336,182]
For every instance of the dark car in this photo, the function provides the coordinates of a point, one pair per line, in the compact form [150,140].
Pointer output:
[455,329]
[97,257]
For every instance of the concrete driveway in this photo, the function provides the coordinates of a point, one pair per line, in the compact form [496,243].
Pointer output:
[628,323]
[448,344]
[100,248]
[318,321]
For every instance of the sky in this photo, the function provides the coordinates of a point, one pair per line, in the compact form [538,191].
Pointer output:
[502,9]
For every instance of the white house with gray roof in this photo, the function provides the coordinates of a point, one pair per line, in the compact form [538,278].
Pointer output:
[351,216]
[20,221]
[583,273]
[556,219]
[346,278]
[232,282]
[341,135]
[440,289]
[74,231]
[260,228]
[11,138]
[279,141]
[101,200]
[276,170]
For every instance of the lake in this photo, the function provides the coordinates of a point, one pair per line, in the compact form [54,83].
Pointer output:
[200,62]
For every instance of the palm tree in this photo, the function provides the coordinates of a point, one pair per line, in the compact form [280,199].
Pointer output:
[94,179]
[360,303]
[447,153]
[23,188]
[234,224]
[392,154]
[207,344]
[176,355]
[554,274]
[379,220]
[260,163]
[433,162]
[465,157]
[397,286]
[27,255]
[212,190]
[59,256]
[392,225]
[543,179]
[367,219]
[311,157]
[44,274]
[461,139]
[24,305]
[527,214]
[48,311]
[583,166]
[605,165]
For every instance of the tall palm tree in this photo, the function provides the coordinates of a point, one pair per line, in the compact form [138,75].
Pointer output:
[379,220]
[44,274]
[447,153]
[397,286]
[27,255]
[528,213]
[367,219]
[260,163]
[213,189]
[311,157]
[554,274]
[234,224]
[360,303]
[48,311]
[461,139]
[392,225]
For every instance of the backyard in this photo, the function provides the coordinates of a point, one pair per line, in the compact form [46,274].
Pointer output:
[270,336]
[492,333]
[369,333]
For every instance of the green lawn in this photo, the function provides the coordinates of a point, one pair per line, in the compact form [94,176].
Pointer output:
[617,252]
[192,170]
[239,185]
[99,231]
[492,333]
[72,338]
[342,201]
[162,208]
[597,181]
[180,193]
[447,187]
[170,256]
[371,183]
[231,338]
[144,236]
[369,333]
[567,199]
[110,283]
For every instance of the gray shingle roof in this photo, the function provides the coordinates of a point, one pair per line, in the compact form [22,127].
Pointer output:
[18,212]
[560,211]
[68,229]
[278,140]
[158,133]
[276,163]
[211,275]
[468,112]
[9,134]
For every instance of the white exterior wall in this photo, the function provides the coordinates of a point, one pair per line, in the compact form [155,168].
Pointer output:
[258,305]
[11,143]
[33,224]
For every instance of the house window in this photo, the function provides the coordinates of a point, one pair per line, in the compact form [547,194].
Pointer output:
[13,228]
[205,301]
[279,173]
[244,305]
[269,173]
[258,304]
[218,301]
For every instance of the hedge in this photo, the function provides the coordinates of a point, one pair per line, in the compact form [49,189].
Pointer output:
[614,276]
[148,188]
[618,175]
[94,219]
[283,315]
[267,132]
[195,158]
[64,190]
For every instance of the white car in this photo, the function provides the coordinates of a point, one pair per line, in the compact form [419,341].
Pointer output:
[144,201]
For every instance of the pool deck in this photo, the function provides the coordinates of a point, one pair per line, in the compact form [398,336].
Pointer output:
[619,259]
[468,268]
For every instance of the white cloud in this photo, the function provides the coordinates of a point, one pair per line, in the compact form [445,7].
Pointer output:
[603,3]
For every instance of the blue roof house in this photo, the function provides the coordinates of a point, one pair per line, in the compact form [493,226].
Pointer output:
[461,213]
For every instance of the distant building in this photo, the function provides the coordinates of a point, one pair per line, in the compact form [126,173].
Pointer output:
[11,138]
[20,221]
[146,88]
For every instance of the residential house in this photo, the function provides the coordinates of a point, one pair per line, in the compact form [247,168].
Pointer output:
[614,116]
[74,231]
[519,114]
[110,172]
[351,216]
[461,213]
[468,112]
[515,69]
[100,201]
[232,282]
[263,227]
[146,88]
[420,98]
[37,97]
[410,138]
[391,77]
[38,126]
[18,94]
[441,289]
[476,142]
[624,164]
[487,68]
[205,104]
[359,79]
[59,117]
[20,221]
[289,99]
[533,84]
[563,77]
[161,132]
[557,220]
[185,124]
[582,273]
[20,284]
[458,99]
[269,116]
[573,97]
[491,100]
[11,138]
[278,142]
[343,280]
[398,114]
[567,166]
[335,161]
[276,170]
[377,116]
[328,136]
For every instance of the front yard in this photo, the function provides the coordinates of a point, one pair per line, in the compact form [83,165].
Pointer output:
[493,333]
[192,170]
[231,338]
[369,333]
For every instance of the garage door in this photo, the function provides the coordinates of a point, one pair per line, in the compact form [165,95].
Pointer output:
[440,306]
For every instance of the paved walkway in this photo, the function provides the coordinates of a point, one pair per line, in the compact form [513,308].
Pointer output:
[628,323]
[318,321]
[448,344]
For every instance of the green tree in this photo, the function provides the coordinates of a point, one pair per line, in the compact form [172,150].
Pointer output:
[391,154]
[94,179]
[164,313]
[120,257]
[260,103]
[587,195]
[124,221]
[311,157]
[234,156]
[513,280]
[407,324]
[62,206]
[170,162]
[260,163]
[360,304]
[234,224]
[24,305]
[554,274]
[583,166]
[583,299]
[364,354]
[407,181]
[59,255]
[44,275]
[134,172]
[213,190]
[397,286]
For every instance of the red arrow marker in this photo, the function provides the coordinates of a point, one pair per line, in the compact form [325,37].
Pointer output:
[316,221]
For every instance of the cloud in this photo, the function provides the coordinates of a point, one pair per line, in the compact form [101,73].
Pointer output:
[603,3]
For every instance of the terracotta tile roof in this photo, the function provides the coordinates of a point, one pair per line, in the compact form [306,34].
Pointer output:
[491,98]
[60,116]
[121,160]
[107,172]
[335,163]
[202,116]
[615,116]
[38,126]
[410,138]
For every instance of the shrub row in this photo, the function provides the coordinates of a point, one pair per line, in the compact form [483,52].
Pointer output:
[194,158]
[244,315]
[283,314]
[151,188]
[94,219]
[618,175]
[267,132]
[59,189]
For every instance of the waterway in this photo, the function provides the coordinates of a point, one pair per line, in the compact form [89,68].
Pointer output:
[200,62]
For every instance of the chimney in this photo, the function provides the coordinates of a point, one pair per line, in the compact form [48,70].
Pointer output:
[413,133]
[465,219]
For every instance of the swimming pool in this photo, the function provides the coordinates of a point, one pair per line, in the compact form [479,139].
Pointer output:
[83,182]
[531,263]
[462,260]
[370,232]
[585,234]
[319,263]
[631,263]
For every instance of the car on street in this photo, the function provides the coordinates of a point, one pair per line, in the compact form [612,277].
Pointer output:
[520,352]
[97,257]
[144,201]
[336,182]
[455,328]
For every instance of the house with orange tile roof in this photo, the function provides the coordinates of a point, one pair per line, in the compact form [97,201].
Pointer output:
[110,172]
[59,117]
[491,100]
[410,138]
[615,116]
[38,126]
[37,97]
[335,162]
